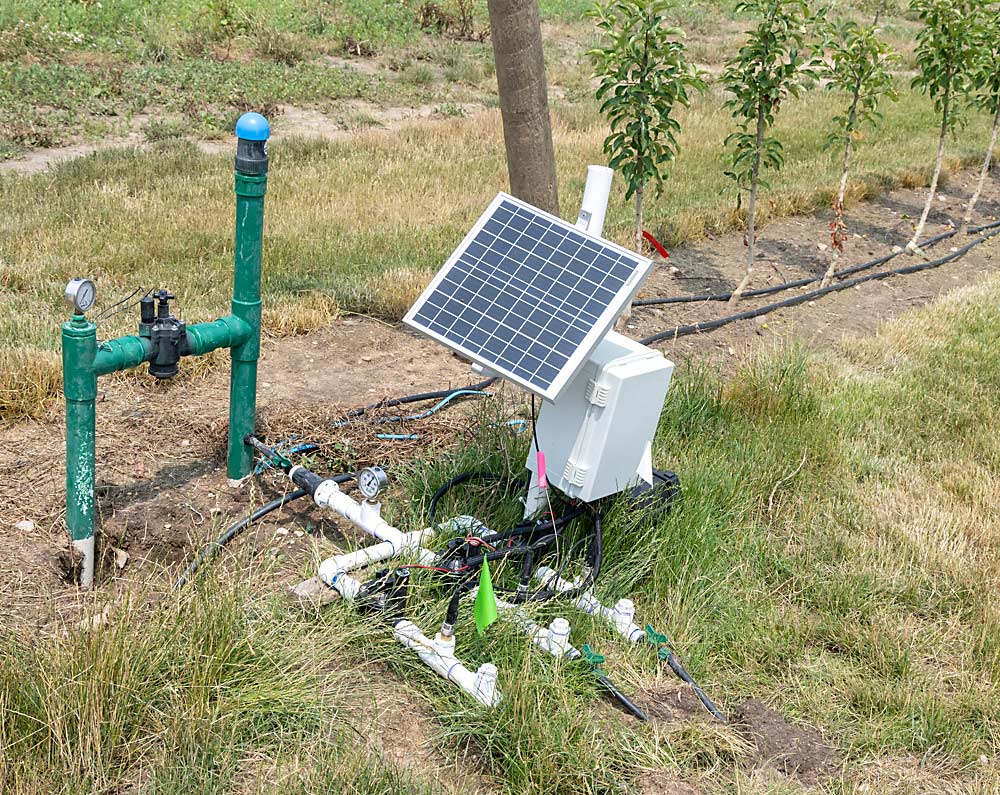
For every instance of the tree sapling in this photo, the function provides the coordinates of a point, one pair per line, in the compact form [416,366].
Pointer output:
[986,79]
[946,58]
[771,66]
[643,75]
[859,65]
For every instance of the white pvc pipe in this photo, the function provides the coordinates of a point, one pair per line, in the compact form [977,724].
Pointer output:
[553,639]
[338,564]
[85,546]
[594,206]
[439,654]
[367,517]
[620,617]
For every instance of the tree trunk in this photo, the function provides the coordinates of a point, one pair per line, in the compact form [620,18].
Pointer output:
[638,219]
[752,230]
[524,105]
[912,246]
[983,174]
[838,207]
[878,12]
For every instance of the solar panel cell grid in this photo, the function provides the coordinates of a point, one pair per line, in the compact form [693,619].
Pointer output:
[524,293]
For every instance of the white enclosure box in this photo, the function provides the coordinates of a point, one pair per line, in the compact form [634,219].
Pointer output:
[597,435]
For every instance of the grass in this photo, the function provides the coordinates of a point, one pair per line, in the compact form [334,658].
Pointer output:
[855,593]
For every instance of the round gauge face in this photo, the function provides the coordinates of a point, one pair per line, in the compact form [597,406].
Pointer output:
[81,294]
[372,482]
[86,296]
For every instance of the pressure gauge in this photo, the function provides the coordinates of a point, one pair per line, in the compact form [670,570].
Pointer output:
[81,294]
[371,482]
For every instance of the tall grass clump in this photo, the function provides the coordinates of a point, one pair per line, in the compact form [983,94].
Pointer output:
[183,690]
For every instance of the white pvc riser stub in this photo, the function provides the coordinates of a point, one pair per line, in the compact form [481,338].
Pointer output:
[85,546]
[594,206]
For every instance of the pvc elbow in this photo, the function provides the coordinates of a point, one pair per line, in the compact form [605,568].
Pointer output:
[485,685]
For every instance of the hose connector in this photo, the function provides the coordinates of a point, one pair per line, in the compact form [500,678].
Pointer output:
[252,132]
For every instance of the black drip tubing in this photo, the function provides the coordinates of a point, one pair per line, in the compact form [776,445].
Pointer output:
[421,396]
[711,325]
[777,288]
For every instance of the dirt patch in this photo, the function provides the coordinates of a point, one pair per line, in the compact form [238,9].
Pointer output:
[663,782]
[795,248]
[289,121]
[672,704]
[791,749]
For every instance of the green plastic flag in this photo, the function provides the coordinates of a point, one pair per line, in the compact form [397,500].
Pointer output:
[486,603]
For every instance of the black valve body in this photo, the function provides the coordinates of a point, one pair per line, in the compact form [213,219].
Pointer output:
[167,334]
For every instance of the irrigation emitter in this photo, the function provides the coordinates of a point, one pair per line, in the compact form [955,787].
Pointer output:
[526,297]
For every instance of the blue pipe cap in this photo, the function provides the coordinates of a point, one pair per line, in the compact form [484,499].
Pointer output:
[253,127]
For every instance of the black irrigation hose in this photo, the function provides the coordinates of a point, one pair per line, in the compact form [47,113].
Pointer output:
[211,549]
[777,288]
[711,325]
[464,478]
[621,698]
[678,669]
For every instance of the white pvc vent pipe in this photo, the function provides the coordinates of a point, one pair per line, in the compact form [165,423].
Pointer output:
[594,206]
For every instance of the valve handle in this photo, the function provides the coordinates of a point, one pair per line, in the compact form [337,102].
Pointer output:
[594,659]
[659,640]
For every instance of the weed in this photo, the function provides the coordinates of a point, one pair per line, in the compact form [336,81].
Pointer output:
[418,74]
[164,129]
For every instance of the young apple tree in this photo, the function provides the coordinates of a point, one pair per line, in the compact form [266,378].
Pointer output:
[986,79]
[858,64]
[771,66]
[643,76]
[946,57]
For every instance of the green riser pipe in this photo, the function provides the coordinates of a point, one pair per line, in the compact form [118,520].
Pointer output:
[84,361]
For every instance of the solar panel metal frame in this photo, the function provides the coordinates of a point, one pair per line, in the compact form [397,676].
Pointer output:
[594,335]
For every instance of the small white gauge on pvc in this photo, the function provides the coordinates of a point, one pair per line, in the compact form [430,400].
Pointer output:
[81,294]
[372,482]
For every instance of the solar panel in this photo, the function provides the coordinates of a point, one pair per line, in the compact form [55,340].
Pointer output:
[528,295]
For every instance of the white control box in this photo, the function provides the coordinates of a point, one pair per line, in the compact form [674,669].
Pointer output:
[597,436]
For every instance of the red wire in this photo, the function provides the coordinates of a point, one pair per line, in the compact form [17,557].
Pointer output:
[435,568]
[655,244]
[476,541]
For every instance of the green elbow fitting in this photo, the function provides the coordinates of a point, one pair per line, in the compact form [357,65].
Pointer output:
[123,353]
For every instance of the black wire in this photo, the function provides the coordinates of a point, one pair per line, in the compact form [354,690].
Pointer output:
[711,325]
[210,550]
[419,397]
[104,313]
[534,426]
